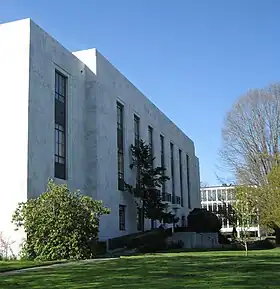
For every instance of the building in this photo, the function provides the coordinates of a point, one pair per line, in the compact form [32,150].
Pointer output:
[61,116]
[214,198]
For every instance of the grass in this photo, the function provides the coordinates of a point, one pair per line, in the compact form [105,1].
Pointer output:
[16,265]
[231,270]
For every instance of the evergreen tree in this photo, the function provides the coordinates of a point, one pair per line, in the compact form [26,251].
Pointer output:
[147,187]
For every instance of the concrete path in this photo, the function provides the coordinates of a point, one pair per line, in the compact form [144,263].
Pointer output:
[12,272]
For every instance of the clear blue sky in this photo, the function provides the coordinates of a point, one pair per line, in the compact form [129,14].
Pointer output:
[192,58]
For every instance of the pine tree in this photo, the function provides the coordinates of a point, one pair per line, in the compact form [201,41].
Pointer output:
[147,187]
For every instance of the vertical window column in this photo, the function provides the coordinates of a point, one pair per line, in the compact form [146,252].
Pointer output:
[122,217]
[136,130]
[120,146]
[181,178]
[139,219]
[151,144]
[60,125]
[188,182]
[137,142]
[162,163]
[172,172]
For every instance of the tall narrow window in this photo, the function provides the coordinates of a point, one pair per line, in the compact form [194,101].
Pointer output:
[162,163]
[120,146]
[136,130]
[60,125]
[122,217]
[139,219]
[181,178]
[172,172]
[188,182]
[137,142]
[150,129]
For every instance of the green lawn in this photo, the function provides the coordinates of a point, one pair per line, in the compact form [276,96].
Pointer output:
[261,269]
[15,265]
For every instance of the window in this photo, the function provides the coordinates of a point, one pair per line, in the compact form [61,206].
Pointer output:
[203,196]
[137,143]
[220,196]
[215,208]
[139,219]
[150,129]
[60,125]
[213,195]
[181,178]
[172,172]
[136,130]
[225,223]
[220,208]
[230,195]
[209,195]
[188,181]
[122,217]
[162,163]
[120,146]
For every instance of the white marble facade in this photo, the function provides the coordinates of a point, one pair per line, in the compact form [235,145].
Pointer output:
[29,58]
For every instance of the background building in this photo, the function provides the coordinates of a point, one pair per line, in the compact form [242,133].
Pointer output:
[73,117]
[214,198]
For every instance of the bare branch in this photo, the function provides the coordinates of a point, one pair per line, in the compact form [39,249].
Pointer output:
[250,135]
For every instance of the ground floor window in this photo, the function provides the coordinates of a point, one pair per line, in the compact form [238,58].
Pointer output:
[122,217]
[139,219]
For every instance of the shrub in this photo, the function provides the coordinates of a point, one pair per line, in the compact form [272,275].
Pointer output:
[59,224]
[203,221]
[101,248]
[268,243]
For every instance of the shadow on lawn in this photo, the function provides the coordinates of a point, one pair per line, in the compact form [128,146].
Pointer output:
[157,272]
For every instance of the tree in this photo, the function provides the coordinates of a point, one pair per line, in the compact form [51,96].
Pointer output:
[59,224]
[268,201]
[147,188]
[244,207]
[203,221]
[227,212]
[251,135]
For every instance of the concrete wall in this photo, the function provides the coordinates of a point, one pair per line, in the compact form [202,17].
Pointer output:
[196,240]
[29,58]
[14,84]
[47,55]
[113,86]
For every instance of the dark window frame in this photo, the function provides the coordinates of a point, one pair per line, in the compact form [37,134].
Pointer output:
[60,154]
[188,181]
[136,130]
[136,120]
[181,177]
[172,172]
[162,163]
[139,219]
[122,217]
[120,145]
[151,143]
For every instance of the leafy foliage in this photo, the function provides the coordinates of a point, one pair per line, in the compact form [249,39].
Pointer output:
[203,221]
[267,198]
[147,188]
[59,224]
[244,207]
